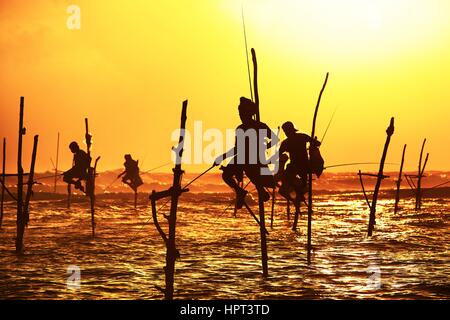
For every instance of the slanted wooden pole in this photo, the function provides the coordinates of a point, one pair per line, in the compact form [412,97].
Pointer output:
[3,180]
[19,220]
[26,211]
[420,173]
[399,181]
[310,175]
[380,176]
[273,206]
[56,164]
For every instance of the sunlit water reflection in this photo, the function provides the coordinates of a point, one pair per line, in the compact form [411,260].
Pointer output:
[220,254]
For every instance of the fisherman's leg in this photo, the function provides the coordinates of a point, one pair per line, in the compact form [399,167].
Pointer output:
[230,175]
[288,182]
[68,176]
[253,173]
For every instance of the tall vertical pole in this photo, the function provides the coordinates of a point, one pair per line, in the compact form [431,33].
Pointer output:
[26,211]
[262,220]
[69,195]
[310,190]
[288,210]
[91,176]
[56,165]
[419,178]
[373,207]
[172,252]
[399,181]
[3,180]
[19,220]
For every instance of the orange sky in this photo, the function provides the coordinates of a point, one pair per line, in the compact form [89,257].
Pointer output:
[133,62]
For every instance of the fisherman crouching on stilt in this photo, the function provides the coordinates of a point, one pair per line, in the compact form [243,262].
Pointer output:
[252,140]
[79,170]
[131,174]
[293,176]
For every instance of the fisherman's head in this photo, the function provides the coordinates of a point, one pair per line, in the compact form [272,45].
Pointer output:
[73,146]
[289,128]
[247,108]
[127,157]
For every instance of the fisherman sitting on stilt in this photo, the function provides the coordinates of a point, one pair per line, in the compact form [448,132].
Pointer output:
[79,170]
[252,140]
[131,174]
[294,175]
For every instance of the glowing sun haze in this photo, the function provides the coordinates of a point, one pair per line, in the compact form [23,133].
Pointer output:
[132,63]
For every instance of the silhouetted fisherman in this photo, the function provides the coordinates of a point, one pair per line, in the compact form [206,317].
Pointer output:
[294,176]
[79,170]
[131,174]
[248,155]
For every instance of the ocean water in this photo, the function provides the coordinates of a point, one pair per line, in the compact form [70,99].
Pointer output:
[407,258]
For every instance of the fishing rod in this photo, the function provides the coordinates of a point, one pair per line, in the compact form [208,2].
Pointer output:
[328,126]
[356,163]
[246,52]
[152,169]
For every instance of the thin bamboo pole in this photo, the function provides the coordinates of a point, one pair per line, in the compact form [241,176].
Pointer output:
[90,182]
[3,181]
[288,210]
[19,220]
[26,211]
[419,177]
[273,206]
[56,164]
[399,181]
[262,231]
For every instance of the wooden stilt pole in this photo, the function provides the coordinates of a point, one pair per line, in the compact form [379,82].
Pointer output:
[262,226]
[420,173]
[310,177]
[3,180]
[174,193]
[69,195]
[380,176]
[399,181]
[135,198]
[20,219]
[296,215]
[262,229]
[90,182]
[26,211]
[288,210]
[241,184]
[273,207]
[56,164]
